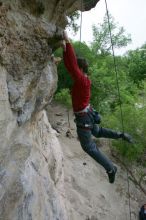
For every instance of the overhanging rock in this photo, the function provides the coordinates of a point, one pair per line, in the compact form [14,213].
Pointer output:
[29,32]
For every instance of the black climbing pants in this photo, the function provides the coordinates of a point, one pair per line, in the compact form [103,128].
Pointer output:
[85,129]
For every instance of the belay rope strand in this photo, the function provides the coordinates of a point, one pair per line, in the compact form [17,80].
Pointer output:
[117,83]
[118,89]
[81,20]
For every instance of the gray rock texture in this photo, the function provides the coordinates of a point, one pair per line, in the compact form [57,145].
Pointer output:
[29,32]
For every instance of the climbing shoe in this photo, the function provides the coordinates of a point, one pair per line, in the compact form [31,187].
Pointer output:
[127,137]
[111,174]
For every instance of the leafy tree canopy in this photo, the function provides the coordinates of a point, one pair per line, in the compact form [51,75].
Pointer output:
[101,38]
[137,65]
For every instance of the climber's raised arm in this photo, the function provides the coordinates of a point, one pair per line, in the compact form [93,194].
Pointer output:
[70,59]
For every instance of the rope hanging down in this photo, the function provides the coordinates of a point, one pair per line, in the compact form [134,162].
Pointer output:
[117,82]
[115,66]
[81,21]
[118,88]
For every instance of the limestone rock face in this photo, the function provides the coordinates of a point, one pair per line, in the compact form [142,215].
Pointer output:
[29,32]
[25,54]
[31,175]
[31,168]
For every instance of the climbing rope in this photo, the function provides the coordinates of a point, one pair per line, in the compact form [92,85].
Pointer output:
[118,89]
[81,21]
[115,66]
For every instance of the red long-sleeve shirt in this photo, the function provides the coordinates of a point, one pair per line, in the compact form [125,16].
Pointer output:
[82,85]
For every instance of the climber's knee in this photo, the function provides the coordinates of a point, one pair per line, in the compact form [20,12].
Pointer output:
[89,147]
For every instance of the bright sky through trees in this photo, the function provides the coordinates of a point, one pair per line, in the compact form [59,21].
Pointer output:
[127,13]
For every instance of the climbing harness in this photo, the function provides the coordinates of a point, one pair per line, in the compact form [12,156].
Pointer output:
[117,83]
[119,95]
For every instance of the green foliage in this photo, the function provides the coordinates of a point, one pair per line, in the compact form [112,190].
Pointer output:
[134,121]
[137,65]
[64,97]
[64,79]
[105,95]
[101,38]
[83,50]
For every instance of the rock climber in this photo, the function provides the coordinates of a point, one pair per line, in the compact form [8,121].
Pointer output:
[86,118]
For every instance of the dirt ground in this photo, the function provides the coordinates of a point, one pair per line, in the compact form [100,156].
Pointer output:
[88,193]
